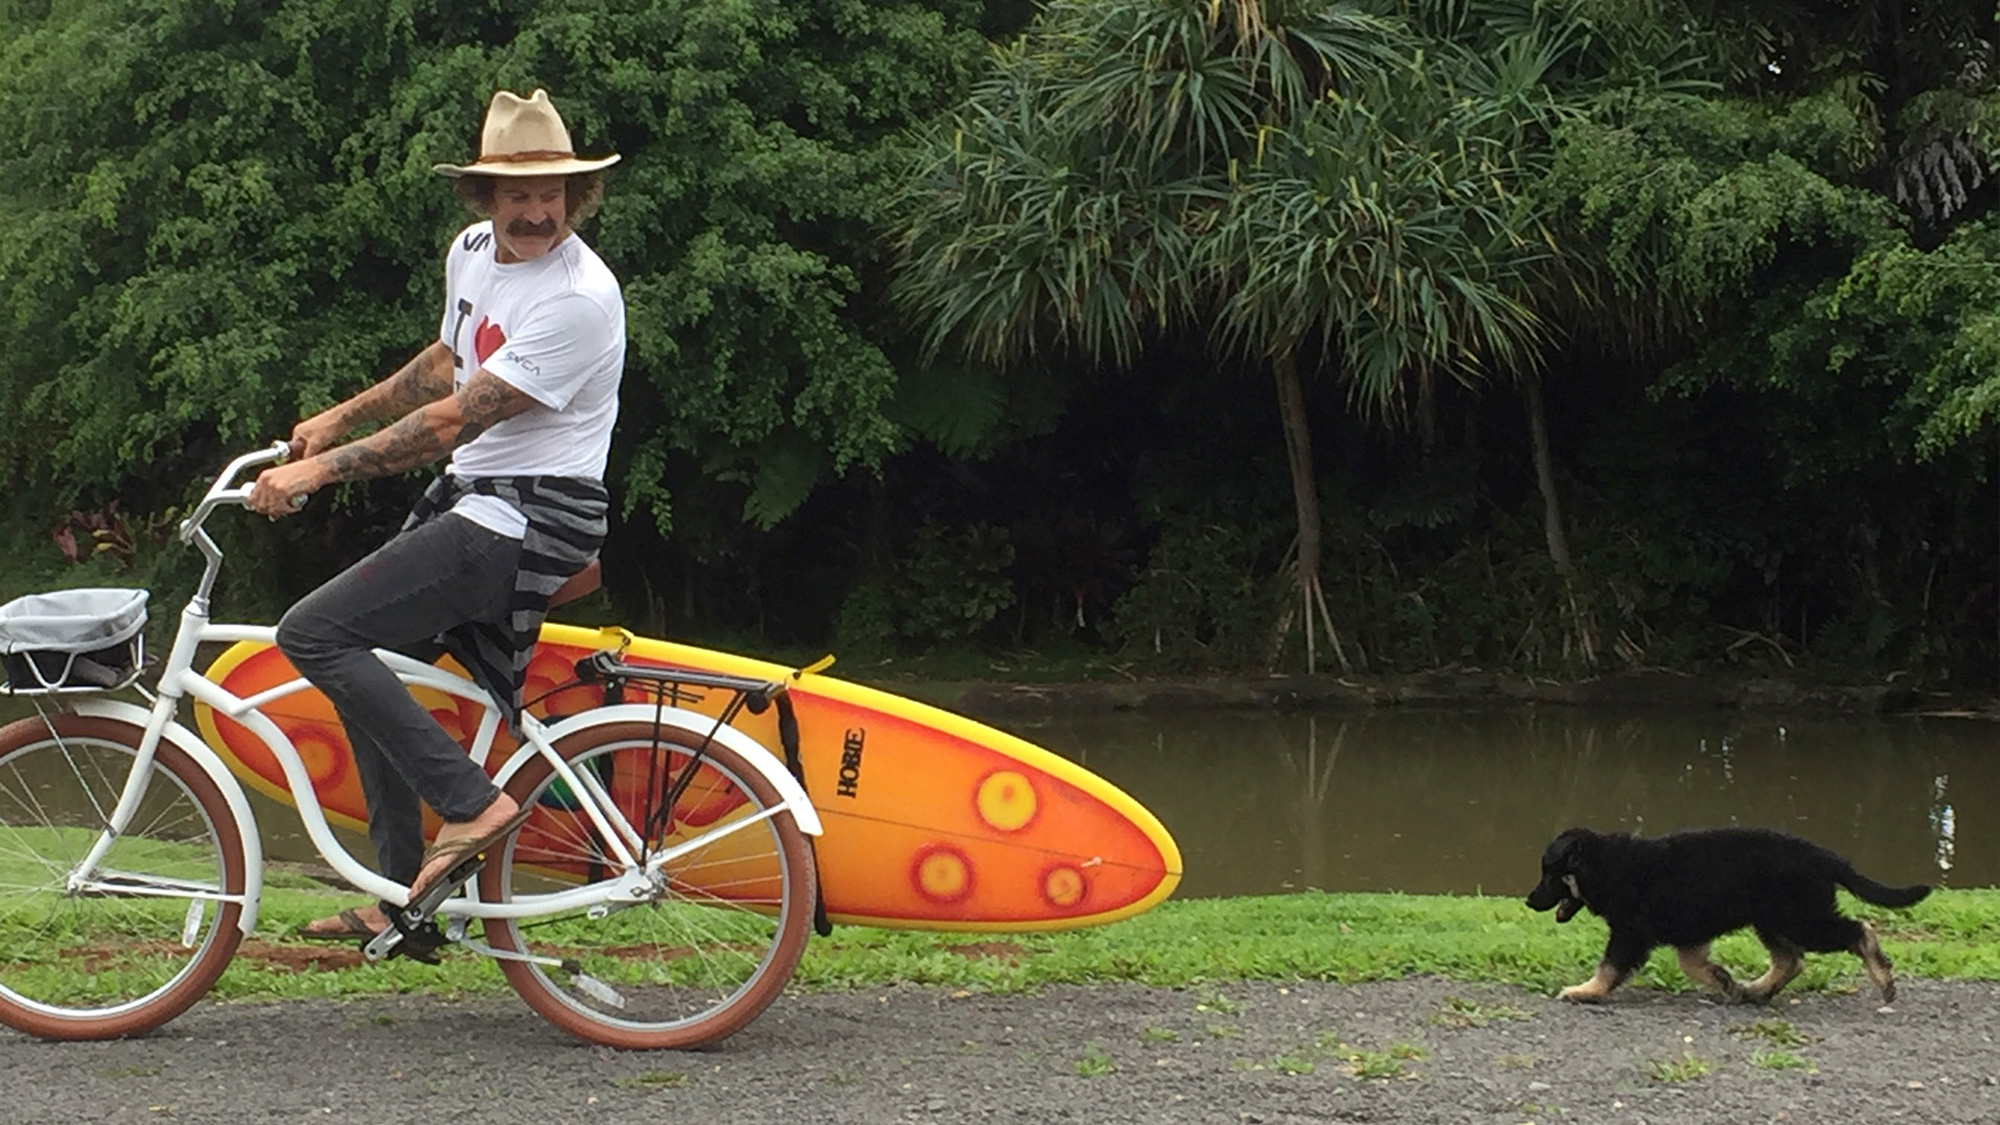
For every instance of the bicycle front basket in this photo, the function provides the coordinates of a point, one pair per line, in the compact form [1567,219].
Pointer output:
[73,640]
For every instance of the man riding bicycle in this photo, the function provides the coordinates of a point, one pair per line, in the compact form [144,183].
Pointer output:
[520,390]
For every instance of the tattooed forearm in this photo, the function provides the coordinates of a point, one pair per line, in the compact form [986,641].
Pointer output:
[423,380]
[429,432]
[407,444]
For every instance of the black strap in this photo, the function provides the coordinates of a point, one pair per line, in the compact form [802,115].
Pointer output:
[788,738]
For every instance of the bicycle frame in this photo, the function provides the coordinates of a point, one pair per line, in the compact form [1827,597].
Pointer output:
[179,679]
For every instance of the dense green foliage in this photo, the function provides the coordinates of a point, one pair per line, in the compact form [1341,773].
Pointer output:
[229,220]
[1743,253]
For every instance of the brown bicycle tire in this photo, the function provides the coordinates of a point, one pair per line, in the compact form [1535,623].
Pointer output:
[791,929]
[53,1021]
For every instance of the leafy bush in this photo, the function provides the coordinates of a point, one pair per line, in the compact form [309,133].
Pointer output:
[952,582]
[947,587]
[865,624]
[1205,599]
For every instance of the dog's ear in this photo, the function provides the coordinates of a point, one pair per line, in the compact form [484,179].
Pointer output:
[1566,852]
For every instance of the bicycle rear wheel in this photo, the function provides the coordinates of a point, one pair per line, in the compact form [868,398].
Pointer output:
[722,925]
[149,934]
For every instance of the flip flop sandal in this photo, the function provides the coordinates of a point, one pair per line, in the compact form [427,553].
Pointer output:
[351,926]
[459,849]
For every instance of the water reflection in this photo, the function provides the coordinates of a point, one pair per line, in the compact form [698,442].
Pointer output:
[1437,801]
[1944,824]
[1428,801]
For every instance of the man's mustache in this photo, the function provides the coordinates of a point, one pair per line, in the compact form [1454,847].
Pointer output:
[522,229]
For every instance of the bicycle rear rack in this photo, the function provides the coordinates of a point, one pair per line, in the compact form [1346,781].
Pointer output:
[667,687]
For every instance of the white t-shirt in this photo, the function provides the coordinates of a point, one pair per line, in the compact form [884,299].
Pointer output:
[552,328]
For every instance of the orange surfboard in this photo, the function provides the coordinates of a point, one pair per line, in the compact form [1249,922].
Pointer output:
[932,820]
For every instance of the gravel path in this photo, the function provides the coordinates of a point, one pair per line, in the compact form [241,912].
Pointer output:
[1454,1054]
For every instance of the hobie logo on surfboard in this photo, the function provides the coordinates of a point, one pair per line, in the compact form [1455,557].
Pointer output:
[850,761]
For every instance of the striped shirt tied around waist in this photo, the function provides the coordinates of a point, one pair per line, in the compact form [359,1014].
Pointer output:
[566,526]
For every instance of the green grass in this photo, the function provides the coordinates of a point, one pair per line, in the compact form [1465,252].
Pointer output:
[1380,1064]
[653,1080]
[1207,945]
[1359,1062]
[1774,1059]
[1686,1068]
[1093,1063]
[1778,1033]
[1458,1012]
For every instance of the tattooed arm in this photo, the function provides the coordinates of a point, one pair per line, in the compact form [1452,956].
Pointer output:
[430,432]
[420,382]
[420,437]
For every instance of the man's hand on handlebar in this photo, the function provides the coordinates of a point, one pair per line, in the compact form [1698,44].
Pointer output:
[315,434]
[282,489]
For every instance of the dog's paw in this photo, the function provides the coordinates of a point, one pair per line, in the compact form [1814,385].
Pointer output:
[1581,994]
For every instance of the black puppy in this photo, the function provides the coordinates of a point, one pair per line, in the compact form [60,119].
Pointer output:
[1688,888]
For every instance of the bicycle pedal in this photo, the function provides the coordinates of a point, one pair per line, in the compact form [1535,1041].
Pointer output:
[418,943]
[422,943]
[411,933]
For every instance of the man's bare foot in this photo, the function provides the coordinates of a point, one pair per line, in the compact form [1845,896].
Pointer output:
[458,839]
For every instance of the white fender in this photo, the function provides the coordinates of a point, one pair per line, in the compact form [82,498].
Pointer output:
[790,792]
[231,789]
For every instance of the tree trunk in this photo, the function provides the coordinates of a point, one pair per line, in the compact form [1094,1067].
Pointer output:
[1311,603]
[1299,458]
[1545,474]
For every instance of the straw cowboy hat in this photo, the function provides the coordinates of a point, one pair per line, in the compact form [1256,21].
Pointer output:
[524,137]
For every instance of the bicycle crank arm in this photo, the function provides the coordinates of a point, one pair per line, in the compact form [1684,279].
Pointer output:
[485,950]
[382,945]
[585,983]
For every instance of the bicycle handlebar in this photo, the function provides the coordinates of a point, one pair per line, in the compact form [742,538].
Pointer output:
[222,489]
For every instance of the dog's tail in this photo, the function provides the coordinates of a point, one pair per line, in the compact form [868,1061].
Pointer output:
[1871,891]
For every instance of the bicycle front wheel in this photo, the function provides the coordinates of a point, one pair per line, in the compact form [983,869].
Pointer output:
[132,943]
[713,935]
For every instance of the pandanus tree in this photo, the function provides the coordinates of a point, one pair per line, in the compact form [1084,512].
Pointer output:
[1283,177]
[1386,236]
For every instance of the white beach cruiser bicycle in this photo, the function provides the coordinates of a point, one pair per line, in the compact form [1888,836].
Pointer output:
[659,895]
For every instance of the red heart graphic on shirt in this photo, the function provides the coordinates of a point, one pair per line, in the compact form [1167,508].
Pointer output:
[487,340]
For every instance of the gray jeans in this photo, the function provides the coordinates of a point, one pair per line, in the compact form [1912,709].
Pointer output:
[424,581]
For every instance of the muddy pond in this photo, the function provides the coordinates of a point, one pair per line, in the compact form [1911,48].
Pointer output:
[1435,801]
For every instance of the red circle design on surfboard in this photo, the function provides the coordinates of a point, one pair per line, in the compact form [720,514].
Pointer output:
[1064,887]
[941,873]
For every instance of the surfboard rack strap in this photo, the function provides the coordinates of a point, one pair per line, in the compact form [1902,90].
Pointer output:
[788,739]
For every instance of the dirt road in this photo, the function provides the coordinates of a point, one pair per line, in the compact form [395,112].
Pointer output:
[1411,1051]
